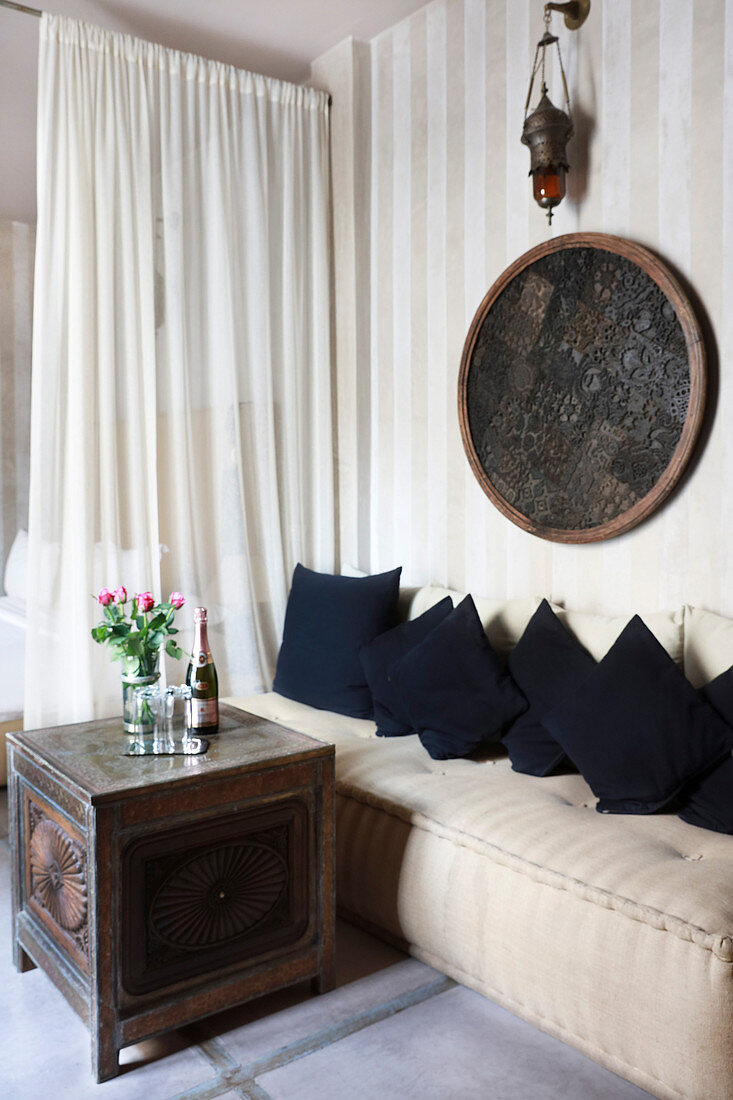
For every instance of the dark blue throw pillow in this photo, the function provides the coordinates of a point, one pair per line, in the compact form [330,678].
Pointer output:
[708,800]
[376,658]
[636,728]
[454,687]
[327,621]
[547,663]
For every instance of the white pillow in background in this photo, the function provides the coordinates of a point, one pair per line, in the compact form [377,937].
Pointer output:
[597,633]
[407,597]
[352,571]
[503,620]
[16,567]
[708,645]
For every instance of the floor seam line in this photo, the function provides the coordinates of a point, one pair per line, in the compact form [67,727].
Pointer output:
[216,1054]
[206,1090]
[328,1036]
[251,1090]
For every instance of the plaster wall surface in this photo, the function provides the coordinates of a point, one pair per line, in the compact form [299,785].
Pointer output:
[450,207]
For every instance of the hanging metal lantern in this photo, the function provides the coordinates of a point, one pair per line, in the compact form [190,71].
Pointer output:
[548,129]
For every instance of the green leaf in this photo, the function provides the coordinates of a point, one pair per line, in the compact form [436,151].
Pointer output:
[156,622]
[173,650]
[173,630]
[140,621]
[99,633]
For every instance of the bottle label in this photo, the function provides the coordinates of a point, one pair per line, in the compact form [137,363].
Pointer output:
[204,712]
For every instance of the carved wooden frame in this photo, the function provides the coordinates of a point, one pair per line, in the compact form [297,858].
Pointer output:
[668,284]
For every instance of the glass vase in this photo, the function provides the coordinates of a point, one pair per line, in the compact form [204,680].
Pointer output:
[132,678]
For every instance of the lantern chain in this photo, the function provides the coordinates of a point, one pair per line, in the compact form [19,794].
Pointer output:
[564,83]
[539,64]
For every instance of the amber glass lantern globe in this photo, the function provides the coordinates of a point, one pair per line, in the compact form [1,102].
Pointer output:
[548,186]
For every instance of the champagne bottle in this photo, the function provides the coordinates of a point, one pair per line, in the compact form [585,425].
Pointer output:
[202,712]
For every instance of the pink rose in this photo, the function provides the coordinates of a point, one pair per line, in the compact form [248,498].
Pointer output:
[144,601]
[177,600]
[120,595]
[105,597]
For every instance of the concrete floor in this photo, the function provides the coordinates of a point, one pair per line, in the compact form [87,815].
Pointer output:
[393,1029]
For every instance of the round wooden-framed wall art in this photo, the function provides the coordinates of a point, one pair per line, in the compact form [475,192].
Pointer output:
[582,387]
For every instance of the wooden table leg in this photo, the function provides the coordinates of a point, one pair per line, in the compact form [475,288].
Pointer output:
[22,960]
[105,1055]
[325,980]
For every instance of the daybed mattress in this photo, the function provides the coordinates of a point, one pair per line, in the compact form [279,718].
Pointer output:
[613,932]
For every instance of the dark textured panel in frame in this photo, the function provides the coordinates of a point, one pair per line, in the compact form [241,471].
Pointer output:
[582,387]
[202,896]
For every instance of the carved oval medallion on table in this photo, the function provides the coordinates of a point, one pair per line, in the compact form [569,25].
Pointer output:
[57,875]
[219,895]
[582,387]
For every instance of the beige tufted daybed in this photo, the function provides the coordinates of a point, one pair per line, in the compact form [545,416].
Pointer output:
[614,933]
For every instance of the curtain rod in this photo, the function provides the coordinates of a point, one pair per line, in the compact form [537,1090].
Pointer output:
[34,11]
[21,7]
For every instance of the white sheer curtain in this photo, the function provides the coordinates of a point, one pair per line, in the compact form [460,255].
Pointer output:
[181,430]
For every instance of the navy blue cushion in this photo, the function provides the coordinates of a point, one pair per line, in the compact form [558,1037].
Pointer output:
[390,713]
[327,621]
[636,728]
[454,688]
[547,663]
[708,800]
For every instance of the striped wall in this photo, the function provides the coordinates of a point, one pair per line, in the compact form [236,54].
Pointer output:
[449,208]
[17,247]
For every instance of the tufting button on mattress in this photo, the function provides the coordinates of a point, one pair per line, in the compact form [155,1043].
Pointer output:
[692,858]
[725,951]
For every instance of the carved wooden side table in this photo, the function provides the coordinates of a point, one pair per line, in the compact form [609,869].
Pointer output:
[156,890]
